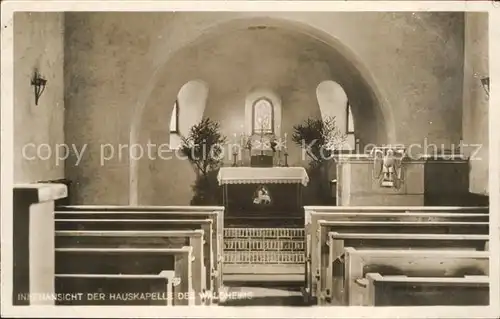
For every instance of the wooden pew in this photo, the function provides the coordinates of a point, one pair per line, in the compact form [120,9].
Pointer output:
[331,278]
[403,291]
[411,263]
[115,290]
[145,239]
[215,213]
[319,236]
[151,225]
[308,210]
[388,213]
[82,263]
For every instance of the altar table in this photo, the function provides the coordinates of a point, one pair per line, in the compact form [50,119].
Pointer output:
[263,191]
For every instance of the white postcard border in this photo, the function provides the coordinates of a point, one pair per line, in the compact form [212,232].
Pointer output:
[7,160]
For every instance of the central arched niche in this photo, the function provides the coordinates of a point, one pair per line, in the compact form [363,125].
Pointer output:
[232,61]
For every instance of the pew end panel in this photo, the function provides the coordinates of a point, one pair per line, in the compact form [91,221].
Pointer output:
[33,240]
[183,271]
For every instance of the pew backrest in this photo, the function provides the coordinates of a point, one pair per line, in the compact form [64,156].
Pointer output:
[130,261]
[379,290]
[331,279]
[392,209]
[412,263]
[151,225]
[215,213]
[319,237]
[382,214]
[116,289]
[202,266]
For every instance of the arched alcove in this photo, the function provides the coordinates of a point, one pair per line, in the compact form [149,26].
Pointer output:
[187,110]
[184,64]
[334,103]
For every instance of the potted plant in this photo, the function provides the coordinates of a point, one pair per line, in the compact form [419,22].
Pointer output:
[319,138]
[203,148]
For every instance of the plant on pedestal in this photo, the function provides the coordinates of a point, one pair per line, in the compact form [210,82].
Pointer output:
[319,138]
[203,148]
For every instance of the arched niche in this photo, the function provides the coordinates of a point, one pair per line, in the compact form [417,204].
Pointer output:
[333,102]
[191,102]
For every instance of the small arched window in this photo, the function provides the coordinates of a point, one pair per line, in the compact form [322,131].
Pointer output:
[174,120]
[350,121]
[262,117]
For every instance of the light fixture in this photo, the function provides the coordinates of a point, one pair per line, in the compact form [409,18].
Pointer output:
[486,85]
[39,85]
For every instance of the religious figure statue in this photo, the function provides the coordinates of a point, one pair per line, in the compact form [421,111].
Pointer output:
[262,196]
[387,166]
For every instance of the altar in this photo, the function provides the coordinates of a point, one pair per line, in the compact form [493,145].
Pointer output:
[274,192]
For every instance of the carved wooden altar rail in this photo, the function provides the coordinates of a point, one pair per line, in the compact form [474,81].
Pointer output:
[264,251]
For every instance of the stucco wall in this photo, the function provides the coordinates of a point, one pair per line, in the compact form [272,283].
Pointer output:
[119,70]
[38,129]
[475,120]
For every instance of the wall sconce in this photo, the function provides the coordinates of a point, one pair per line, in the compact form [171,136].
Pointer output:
[39,85]
[486,85]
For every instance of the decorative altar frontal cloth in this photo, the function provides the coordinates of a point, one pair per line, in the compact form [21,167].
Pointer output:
[263,175]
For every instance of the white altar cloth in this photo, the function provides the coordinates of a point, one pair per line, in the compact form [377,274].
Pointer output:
[257,175]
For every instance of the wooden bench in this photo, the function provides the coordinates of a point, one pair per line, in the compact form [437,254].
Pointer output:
[388,213]
[403,291]
[331,276]
[215,213]
[80,265]
[145,239]
[411,263]
[152,225]
[308,210]
[319,237]
[116,290]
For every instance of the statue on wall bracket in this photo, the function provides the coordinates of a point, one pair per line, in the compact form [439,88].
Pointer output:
[387,168]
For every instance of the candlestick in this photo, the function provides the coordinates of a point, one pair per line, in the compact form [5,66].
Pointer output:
[234,159]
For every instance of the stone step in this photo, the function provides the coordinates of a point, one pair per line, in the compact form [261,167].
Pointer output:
[263,257]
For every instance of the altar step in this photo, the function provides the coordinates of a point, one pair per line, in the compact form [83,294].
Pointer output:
[246,273]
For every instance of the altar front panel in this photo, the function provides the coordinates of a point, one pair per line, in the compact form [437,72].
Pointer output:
[282,200]
[265,192]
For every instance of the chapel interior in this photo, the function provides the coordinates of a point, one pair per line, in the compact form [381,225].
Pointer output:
[117,79]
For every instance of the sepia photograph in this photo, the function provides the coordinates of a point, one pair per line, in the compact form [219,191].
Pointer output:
[249,159]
